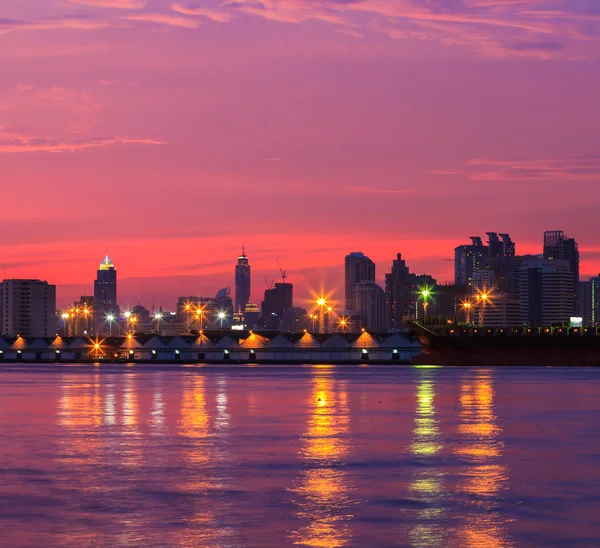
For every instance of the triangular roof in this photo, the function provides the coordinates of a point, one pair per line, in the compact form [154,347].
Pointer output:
[255,341]
[59,343]
[397,340]
[307,341]
[19,343]
[281,341]
[129,343]
[226,342]
[79,342]
[201,342]
[4,343]
[365,340]
[155,342]
[40,344]
[178,342]
[336,341]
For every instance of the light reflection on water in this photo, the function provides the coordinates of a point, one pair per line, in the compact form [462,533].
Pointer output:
[317,457]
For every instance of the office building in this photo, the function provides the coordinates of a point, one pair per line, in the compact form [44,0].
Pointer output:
[80,320]
[497,312]
[105,295]
[370,305]
[589,302]
[558,247]
[358,268]
[500,246]
[242,282]
[278,299]
[28,308]
[546,292]
[468,259]
[398,293]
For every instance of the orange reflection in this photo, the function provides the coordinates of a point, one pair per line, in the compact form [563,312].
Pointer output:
[427,482]
[324,498]
[484,476]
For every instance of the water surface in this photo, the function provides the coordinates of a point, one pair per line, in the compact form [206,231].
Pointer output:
[306,456]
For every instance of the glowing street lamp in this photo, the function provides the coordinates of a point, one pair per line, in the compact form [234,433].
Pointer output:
[221,316]
[110,319]
[425,293]
[321,303]
[467,306]
[157,317]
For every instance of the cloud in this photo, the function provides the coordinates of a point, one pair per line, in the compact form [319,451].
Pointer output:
[164,19]
[51,23]
[117,83]
[117,4]
[562,169]
[220,16]
[16,142]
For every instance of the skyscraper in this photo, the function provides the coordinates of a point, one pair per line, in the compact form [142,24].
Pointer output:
[28,308]
[397,292]
[370,304]
[278,299]
[242,282]
[558,247]
[359,268]
[468,259]
[546,292]
[589,301]
[105,295]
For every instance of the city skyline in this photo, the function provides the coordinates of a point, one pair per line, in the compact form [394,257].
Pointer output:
[303,129]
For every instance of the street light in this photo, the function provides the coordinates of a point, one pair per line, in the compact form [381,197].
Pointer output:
[221,315]
[425,294]
[110,319]
[158,316]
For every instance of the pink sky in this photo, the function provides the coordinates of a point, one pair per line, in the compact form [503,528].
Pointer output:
[169,133]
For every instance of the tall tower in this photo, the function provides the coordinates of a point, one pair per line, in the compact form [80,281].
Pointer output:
[398,292]
[105,294]
[359,268]
[242,282]
[558,247]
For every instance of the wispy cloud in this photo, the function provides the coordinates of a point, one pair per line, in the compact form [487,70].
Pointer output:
[18,142]
[50,23]
[164,19]
[117,4]
[561,169]
[220,16]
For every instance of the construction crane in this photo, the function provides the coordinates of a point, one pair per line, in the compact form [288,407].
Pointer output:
[283,272]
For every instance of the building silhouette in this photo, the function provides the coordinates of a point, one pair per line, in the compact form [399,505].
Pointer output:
[468,259]
[558,247]
[398,293]
[589,301]
[546,292]
[370,305]
[28,308]
[358,268]
[278,299]
[242,282]
[105,295]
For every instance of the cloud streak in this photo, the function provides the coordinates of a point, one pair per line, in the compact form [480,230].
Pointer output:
[15,142]
[164,19]
[116,4]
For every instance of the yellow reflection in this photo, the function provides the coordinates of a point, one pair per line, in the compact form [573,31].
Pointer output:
[426,485]
[484,476]
[323,496]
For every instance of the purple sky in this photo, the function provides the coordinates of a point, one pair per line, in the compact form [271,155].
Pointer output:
[167,134]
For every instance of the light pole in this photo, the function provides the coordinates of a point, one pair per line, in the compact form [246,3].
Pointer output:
[321,302]
[221,315]
[425,294]
[158,316]
[110,319]
[467,308]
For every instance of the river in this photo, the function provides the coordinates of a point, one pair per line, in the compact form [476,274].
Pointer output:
[307,456]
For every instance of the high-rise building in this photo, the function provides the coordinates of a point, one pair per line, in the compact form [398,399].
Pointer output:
[81,321]
[358,268]
[468,259]
[398,293]
[242,282]
[501,246]
[105,295]
[558,247]
[589,302]
[546,292]
[28,308]
[278,299]
[370,304]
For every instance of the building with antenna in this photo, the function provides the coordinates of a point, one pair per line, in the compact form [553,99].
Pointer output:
[242,282]
[105,296]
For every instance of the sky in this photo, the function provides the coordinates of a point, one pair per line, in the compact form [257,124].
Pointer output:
[168,134]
